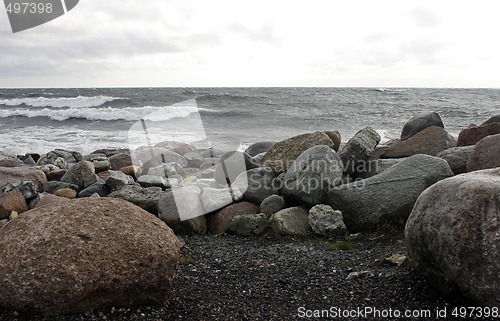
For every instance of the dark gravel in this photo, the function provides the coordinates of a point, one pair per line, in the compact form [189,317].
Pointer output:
[271,278]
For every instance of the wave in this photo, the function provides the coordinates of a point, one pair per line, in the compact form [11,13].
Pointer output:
[62,102]
[150,113]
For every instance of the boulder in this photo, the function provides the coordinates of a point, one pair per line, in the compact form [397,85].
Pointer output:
[56,175]
[100,188]
[389,196]
[231,165]
[86,254]
[49,199]
[158,181]
[152,157]
[374,167]
[121,160]
[52,186]
[452,235]
[283,153]
[291,221]
[110,152]
[79,173]
[214,199]
[457,158]
[359,149]
[336,138]
[272,204]
[194,159]
[327,222]
[248,225]
[132,170]
[28,189]
[163,170]
[486,154]
[116,180]
[66,192]
[259,147]
[10,175]
[257,184]
[473,134]
[312,174]
[12,201]
[170,144]
[219,222]
[61,158]
[182,210]
[143,197]
[420,122]
[211,153]
[11,162]
[430,141]
[100,161]
[184,149]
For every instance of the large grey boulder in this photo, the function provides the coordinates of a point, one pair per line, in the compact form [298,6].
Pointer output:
[292,221]
[359,149]
[231,165]
[389,196]
[258,148]
[282,154]
[312,174]
[182,210]
[457,158]
[85,254]
[327,222]
[257,184]
[420,122]
[486,154]
[156,156]
[452,235]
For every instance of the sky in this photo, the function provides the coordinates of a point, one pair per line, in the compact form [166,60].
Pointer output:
[183,43]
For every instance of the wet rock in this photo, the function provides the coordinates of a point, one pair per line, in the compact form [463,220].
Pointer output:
[59,262]
[283,153]
[452,235]
[473,134]
[420,122]
[100,188]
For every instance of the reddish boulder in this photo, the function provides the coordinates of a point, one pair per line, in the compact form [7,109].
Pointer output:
[12,201]
[485,155]
[219,222]
[473,134]
[86,254]
[430,141]
[50,199]
[17,174]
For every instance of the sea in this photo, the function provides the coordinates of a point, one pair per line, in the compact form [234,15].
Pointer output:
[86,119]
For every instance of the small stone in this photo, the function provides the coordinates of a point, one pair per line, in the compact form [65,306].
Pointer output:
[66,192]
[325,221]
[396,259]
[272,204]
[13,215]
[360,274]
[116,180]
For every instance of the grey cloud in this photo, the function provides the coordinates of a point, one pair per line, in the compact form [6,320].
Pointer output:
[425,18]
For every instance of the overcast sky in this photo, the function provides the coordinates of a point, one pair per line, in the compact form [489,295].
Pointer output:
[400,43]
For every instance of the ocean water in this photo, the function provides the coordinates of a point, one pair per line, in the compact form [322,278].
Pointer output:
[39,120]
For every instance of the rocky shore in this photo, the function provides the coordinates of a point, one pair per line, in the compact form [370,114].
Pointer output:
[304,224]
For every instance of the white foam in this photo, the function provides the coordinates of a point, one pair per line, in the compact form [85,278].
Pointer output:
[73,102]
[104,114]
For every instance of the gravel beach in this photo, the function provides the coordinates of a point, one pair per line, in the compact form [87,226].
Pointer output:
[282,278]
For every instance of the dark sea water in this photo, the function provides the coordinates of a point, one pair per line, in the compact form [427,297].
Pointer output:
[38,120]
